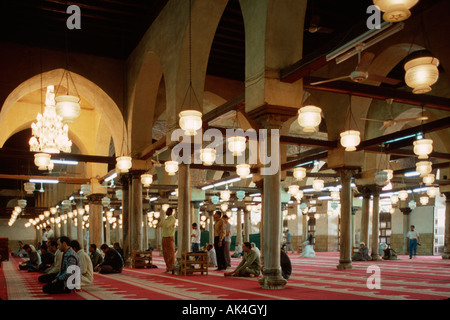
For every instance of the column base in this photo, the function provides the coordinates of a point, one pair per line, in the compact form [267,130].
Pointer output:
[344,265]
[446,256]
[272,279]
[376,257]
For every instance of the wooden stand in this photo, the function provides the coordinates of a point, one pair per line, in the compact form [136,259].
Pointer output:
[141,259]
[189,260]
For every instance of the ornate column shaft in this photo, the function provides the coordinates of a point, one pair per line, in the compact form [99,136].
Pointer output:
[345,261]
[406,223]
[376,224]
[126,239]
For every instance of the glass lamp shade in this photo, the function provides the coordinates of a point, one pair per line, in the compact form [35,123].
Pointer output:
[432,192]
[423,167]
[299,195]
[53,210]
[318,184]
[428,179]
[350,139]
[22,203]
[46,213]
[424,200]
[106,201]
[299,173]
[403,194]
[412,204]
[171,167]
[236,145]
[208,156]
[394,199]
[243,170]
[190,121]
[29,187]
[421,73]
[390,173]
[294,189]
[146,179]
[423,148]
[225,195]
[395,10]
[381,178]
[309,117]
[224,206]
[334,195]
[123,164]
[240,195]
[42,160]
[215,199]
[68,108]
[119,194]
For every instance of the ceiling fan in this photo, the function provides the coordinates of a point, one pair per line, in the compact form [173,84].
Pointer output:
[391,121]
[315,27]
[361,74]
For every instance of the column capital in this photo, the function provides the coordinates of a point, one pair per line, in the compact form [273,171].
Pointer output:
[369,190]
[96,198]
[406,210]
[345,173]
[272,116]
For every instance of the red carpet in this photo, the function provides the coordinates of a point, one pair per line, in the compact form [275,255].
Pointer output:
[423,278]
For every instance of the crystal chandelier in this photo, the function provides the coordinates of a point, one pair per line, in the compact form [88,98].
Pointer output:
[50,135]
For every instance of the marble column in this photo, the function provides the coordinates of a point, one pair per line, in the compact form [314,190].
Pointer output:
[246,225]
[239,227]
[345,258]
[376,224]
[80,238]
[126,238]
[365,216]
[271,200]
[446,254]
[354,210]
[406,224]
[136,211]
[96,219]
[211,226]
[183,213]
[107,232]
[145,230]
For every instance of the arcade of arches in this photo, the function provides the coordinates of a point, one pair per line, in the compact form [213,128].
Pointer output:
[131,107]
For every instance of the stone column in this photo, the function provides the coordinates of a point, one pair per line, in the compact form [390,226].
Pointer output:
[446,254]
[126,238]
[183,212]
[406,223]
[211,225]
[69,227]
[136,211]
[96,218]
[345,259]
[354,210]
[246,225]
[80,238]
[145,230]
[107,232]
[365,216]
[239,227]
[376,224]
[304,227]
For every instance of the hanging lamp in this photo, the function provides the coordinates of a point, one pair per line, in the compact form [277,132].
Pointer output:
[395,10]
[424,167]
[428,179]
[350,139]
[423,148]
[208,156]
[146,180]
[171,167]
[432,192]
[421,74]
[318,184]
[403,195]
[243,170]
[299,173]
[309,118]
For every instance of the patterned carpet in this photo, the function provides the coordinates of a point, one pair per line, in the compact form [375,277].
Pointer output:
[422,278]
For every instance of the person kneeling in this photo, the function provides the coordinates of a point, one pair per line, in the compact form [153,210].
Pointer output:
[250,265]
[112,263]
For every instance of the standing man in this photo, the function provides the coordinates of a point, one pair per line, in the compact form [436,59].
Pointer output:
[168,240]
[227,241]
[50,234]
[413,239]
[289,242]
[195,238]
[219,240]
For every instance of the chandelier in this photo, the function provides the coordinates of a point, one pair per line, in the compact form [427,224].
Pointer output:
[50,135]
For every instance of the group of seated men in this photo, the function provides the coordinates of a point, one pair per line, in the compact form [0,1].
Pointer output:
[59,260]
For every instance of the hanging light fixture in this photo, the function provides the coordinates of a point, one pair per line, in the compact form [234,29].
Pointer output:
[381,178]
[424,200]
[424,167]
[240,195]
[123,164]
[293,189]
[22,203]
[421,74]
[215,199]
[236,145]
[42,160]
[318,184]
[146,180]
[171,167]
[190,120]
[29,187]
[299,195]
[225,194]
[106,201]
[208,156]
[243,170]
[432,192]
[412,204]
[68,108]
[299,173]
[390,173]
[224,207]
[394,198]
[119,194]
[350,139]
[309,118]
[423,148]
[49,134]
[428,179]
[335,194]
[395,10]
[403,195]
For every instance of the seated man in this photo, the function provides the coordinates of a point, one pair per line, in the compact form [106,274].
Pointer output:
[112,263]
[250,265]
[307,250]
[95,255]
[20,252]
[69,259]
[212,259]
[117,247]
[52,272]
[47,258]
[237,251]
[363,254]
[285,264]
[389,254]
[32,265]
[87,271]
